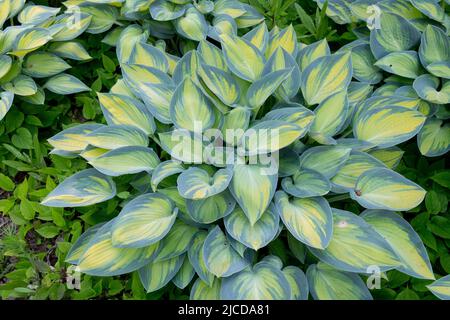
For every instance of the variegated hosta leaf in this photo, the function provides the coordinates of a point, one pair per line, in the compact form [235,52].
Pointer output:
[434,51]
[70,50]
[73,139]
[43,64]
[355,246]
[212,208]
[330,117]
[253,187]
[126,160]
[197,260]
[388,126]
[221,83]
[261,282]
[149,56]
[363,62]
[242,57]
[120,109]
[101,258]
[441,288]
[65,84]
[22,86]
[306,183]
[143,221]
[156,275]
[187,66]
[183,145]
[395,34]
[117,136]
[297,282]
[250,18]
[254,236]
[184,275]
[156,98]
[196,183]
[103,17]
[295,114]
[6,100]
[312,52]
[82,189]
[192,25]
[127,41]
[270,136]
[234,124]
[190,109]
[222,24]
[80,245]
[6,63]
[286,39]
[326,160]
[89,153]
[28,40]
[430,8]
[402,63]
[356,165]
[273,261]
[177,241]
[381,188]
[282,60]
[261,89]
[327,283]
[140,75]
[427,86]
[308,220]
[163,170]
[220,257]
[202,291]
[434,138]
[74,25]
[259,37]
[404,241]
[162,10]
[211,56]
[390,156]
[325,77]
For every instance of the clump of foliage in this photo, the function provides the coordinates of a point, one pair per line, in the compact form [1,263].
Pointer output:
[315,136]
[223,208]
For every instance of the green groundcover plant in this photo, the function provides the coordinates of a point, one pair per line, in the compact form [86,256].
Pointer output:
[222,138]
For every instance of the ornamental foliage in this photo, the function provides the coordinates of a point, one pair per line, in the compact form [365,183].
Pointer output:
[242,137]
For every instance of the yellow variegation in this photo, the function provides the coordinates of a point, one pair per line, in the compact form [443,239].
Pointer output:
[242,57]
[355,246]
[327,283]
[309,220]
[143,221]
[220,257]
[190,109]
[156,275]
[404,241]
[83,188]
[126,160]
[253,187]
[441,288]
[102,258]
[381,188]
[326,76]
[389,126]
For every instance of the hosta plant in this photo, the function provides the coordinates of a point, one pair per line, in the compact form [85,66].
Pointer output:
[411,55]
[32,52]
[245,140]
